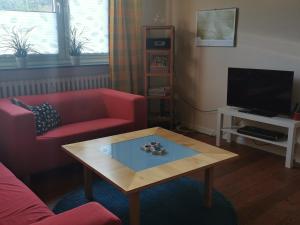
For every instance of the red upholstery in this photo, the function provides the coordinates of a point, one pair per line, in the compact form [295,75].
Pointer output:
[73,133]
[19,206]
[17,136]
[85,105]
[126,106]
[89,214]
[84,130]
[85,115]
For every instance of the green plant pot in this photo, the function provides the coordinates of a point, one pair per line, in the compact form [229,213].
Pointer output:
[21,62]
[75,60]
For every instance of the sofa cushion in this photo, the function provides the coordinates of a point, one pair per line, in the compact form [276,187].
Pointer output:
[48,145]
[19,206]
[73,106]
[46,117]
[86,130]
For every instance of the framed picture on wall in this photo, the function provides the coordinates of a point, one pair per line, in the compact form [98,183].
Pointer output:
[217,27]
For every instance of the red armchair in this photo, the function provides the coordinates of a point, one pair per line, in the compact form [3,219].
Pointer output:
[19,206]
[85,115]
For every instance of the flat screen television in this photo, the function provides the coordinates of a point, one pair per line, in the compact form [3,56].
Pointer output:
[265,92]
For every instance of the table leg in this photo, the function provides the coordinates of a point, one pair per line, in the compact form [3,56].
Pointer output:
[88,181]
[219,128]
[208,188]
[134,208]
[231,124]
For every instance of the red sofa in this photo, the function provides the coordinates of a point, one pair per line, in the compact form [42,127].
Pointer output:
[19,206]
[84,115]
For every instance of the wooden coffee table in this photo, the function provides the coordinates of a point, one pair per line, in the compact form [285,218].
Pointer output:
[120,160]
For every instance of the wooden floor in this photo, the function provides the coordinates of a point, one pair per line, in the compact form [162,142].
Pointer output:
[261,189]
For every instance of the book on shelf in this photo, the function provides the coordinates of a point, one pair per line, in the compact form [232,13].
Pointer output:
[159,63]
[159,69]
[160,91]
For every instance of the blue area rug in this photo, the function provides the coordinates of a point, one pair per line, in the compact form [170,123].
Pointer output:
[178,202]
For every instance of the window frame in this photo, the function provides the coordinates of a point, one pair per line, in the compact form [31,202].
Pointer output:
[62,58]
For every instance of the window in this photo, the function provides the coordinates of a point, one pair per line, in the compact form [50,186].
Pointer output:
[28,5]
[38,15]
[51,20]
[85,16]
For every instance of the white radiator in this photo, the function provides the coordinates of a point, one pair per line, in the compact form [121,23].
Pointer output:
[51,85]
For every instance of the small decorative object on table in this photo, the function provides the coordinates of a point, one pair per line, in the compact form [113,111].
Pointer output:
[155,148]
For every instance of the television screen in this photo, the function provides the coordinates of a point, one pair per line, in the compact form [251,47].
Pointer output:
[265,90]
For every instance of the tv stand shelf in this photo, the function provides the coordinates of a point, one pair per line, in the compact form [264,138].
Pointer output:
[234,132]
[232,112]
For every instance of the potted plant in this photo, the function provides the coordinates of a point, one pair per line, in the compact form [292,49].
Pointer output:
[18,41]
[77,44]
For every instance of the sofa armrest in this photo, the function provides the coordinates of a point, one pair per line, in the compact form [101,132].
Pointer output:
[88,214]
[126,106]
[17,136]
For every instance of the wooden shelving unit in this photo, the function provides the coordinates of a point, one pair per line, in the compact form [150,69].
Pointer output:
[158,48]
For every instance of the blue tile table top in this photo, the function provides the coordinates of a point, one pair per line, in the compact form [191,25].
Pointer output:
[130,154]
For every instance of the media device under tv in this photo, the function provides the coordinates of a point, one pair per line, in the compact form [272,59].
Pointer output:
[262,133]
[257,91]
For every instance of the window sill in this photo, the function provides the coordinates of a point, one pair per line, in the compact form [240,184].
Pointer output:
[57,71]
[66,65]
[51,61]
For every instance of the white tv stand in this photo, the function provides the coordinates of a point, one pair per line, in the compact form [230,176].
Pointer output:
[290,124]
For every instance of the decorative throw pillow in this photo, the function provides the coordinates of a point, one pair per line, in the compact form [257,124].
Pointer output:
[19,103]
[46,117]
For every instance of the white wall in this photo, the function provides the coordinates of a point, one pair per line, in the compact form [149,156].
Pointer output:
[154,12]
[268,37]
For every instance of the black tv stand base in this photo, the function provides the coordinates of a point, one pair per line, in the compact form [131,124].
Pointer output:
[258,112]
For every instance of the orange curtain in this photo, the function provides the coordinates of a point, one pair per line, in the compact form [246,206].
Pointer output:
[125,59]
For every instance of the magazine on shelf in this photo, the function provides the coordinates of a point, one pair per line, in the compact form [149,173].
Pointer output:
[161,91]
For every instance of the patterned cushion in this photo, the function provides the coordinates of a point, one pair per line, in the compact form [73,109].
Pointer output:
[46,117]
[19,103]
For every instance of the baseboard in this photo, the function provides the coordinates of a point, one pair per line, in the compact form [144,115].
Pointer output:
[200,129]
